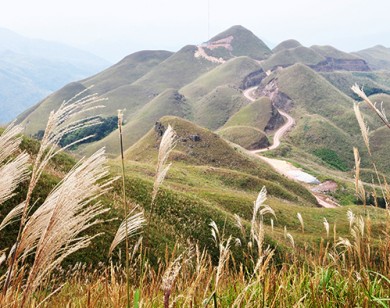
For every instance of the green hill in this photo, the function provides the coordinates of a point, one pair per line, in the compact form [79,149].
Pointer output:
[214,109]
[198,147]
[242,42]
[288,44]
[127,70]
[230,73]
[248,137]
[170,102]
[287,57]
[378,57]
[331,52]
[257,114]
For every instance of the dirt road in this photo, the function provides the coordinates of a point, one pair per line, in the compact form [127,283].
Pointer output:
[286,168]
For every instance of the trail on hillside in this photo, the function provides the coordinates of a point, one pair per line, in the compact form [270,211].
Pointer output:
[248,93]
[285,168]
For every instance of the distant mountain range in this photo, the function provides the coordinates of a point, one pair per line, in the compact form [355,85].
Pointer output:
[205,83]
[31,69]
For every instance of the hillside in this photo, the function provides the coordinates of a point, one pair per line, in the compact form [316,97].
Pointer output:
[378,57]
[237,41]
[312,84]
[31,69]
[288,44]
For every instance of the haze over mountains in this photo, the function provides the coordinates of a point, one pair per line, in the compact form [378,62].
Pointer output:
[205,83]
[31,69]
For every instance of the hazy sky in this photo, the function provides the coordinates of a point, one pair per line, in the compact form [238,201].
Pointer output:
[115,28]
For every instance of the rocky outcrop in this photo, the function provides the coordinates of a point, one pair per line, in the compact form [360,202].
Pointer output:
[253,79]
[260,144]
[332,64]
[159,128]
[279,99]
[274,122]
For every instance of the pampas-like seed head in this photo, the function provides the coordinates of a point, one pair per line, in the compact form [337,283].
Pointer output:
[326,225]
[363,127]
[134,224]
[291,239]
[167,144]
[300,218]
[351,218]
[52,231]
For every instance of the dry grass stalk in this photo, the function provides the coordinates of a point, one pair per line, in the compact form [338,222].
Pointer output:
[300,218]
[12,215]
[291,239]
[9,141]
[381,113]
[169,278]
[59,124]
[363,127]
[52,231]
[326,225]
[365,131]
[12,171]
[167,144]
[134,224]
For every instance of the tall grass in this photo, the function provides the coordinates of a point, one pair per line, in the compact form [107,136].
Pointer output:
[247,270]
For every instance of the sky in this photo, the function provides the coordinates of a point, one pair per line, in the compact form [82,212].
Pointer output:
[115,28]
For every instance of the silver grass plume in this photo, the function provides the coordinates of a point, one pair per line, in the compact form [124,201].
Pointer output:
[52,231]
[381,113]
[12,171]
[12,215]
[300,218]
[351,218]
[167,144]
[363,127]
[326,225]
[134,224]
[291,239]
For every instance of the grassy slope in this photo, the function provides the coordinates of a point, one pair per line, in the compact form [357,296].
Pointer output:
[315,95]
[215,96]
[331,52]
[248,137]
[230,73]
[244,43]
[211,150]
[169,102]
[109,83]
[257,114]
[127,70]
[287,57]
[377,57]
[176,71]
[372,82]
[214,109]
[288,44]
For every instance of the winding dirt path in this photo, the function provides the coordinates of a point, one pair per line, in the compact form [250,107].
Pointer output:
[248,93]
[286,168]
